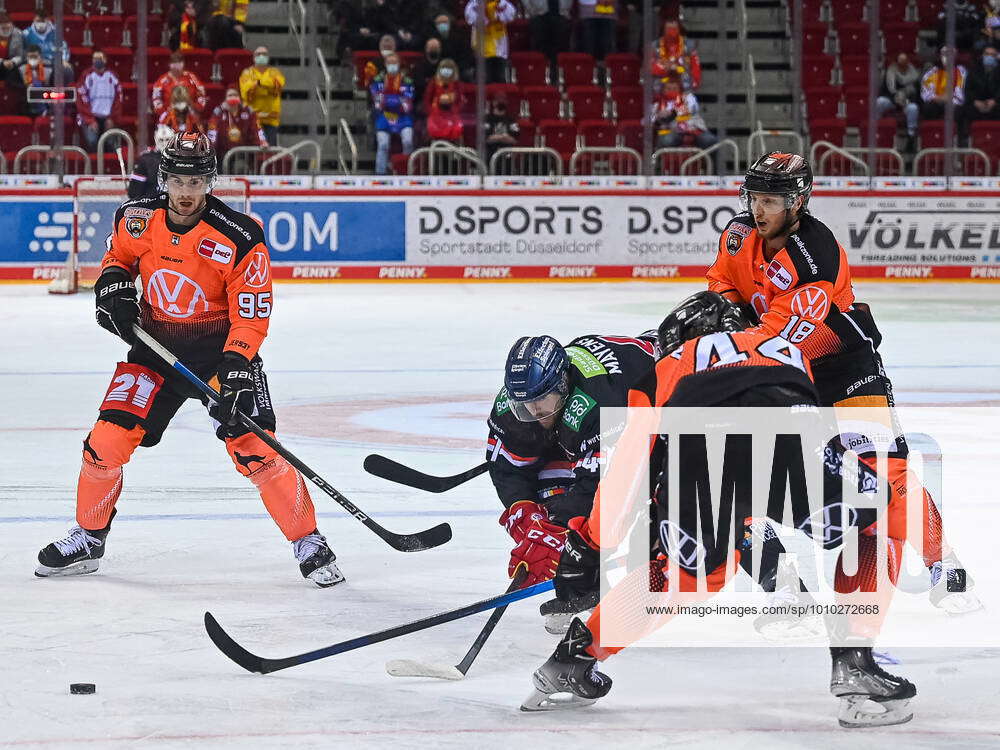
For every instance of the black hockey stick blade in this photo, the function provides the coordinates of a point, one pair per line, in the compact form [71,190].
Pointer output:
[386,468]
[422,540]
[484,634]
[262,665]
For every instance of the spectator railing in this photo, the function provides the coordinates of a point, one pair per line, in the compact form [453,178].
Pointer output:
[118,135]
[675,156]
[952,161]
[297,25]
[292,151]
[26,154]
[612,160]
[445,158]
[346,138]
[538,161]
[746,58]
[3,163]
[323,95]
[705,153]
[828,150]
[877,160]
[247,158]
[761,134]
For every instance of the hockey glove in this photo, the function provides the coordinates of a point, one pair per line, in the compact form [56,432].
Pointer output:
[117,303]
[579,566]
[235,389]
[539,542]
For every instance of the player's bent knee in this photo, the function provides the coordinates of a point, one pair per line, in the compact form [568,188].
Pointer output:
[110,446]
[255,459]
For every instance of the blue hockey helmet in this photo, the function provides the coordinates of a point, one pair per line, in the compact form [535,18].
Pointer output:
[536,377]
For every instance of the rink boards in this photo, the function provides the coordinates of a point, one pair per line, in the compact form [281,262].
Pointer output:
[397,232]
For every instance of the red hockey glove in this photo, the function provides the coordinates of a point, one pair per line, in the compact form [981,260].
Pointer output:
[539,541]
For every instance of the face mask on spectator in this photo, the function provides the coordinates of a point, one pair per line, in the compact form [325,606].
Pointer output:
[181,106]
[176,68]
[446,72]
[99,64]
[6,30]
[261,59]
[989,61]
[40,26]
[33,61]
[392,69]
[443,28]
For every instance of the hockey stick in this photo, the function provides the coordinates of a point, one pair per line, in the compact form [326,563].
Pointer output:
[262,665]
[422,540]
[414,668]
[386,468]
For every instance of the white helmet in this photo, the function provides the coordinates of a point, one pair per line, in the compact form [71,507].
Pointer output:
[163,136]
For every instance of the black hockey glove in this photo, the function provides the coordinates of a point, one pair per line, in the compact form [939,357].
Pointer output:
[579,566]
[235,388]
[117,303]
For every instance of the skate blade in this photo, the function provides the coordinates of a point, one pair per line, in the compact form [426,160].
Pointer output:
[76,569]
[413,668]
[539,701]
[326,576]
[557,623]
[855,715]
[959,603]
[806,630]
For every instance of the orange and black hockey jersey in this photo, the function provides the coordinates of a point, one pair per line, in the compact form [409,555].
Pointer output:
[205,288]
[802,292]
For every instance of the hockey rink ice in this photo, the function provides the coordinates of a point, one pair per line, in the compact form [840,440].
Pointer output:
[407,370]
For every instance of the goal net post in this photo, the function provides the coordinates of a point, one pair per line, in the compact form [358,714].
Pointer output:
[95,200]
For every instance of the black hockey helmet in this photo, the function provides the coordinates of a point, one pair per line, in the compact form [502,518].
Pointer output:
[700,314]
[781,174]
[189,154]
[537,367]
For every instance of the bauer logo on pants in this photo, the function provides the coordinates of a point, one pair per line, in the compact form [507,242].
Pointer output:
[175,294]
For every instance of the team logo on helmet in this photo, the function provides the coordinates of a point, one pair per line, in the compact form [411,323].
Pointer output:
[136,225]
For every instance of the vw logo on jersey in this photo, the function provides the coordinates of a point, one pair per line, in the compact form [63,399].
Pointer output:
[810,302]
[175,294]
[258,271]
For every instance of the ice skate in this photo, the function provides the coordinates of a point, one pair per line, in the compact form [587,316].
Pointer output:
[951,586]
[317,561]
[870,696]
[559,614]
[569,679]
[77,554]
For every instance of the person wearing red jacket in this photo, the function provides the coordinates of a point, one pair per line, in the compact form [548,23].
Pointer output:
[443,104]
[98,100]
[234,124]
[177,76]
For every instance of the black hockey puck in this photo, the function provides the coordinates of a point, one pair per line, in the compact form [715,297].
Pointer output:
[83,688]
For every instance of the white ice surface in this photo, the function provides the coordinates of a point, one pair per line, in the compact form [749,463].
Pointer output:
[356,368]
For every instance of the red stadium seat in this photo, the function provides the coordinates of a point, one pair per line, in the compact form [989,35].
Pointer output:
[526,134]
[630,134]
[73,30]
[927,12]
[587,102]
[43,129]
[22,20]
[11,101]
[986,137]
[854,70]
[215,93]
[817,70]
[849,11]
[105,31]
[856,104]
[823,102]
[154,31]
[624,69]
[828,129]
[518,35]
[885,132]
[529,69]
[628,101]
[400,164]
[130,99]
[853,38]
[231,63]
[813,11]
[543,102]
[199,61]
[931,134]
[80,58]
[670,163]
[508,90]
[410,61]
[598,133]
[575,69]
[900,37]
[15,132]
[158,61]
[815,37]
[559,135]
[891,11]
[120,61]
[125,7]
[20,6]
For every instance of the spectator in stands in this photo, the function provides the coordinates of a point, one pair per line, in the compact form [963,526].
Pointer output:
[501,129]
[426,69]
[184,35]
[392,105]
[494,46]
[548,22]
[443,104]
[674,57]
[990,36]
[42,33]
[11,51]
[144,182]
[377,20]
[969,20]
[407,15]
[98,100]
[455,44]
[34,72]
[901,92]
[934,93]
[223,31]
[234,124]
[598,20]
[260,87]
[676,115]
[982,90]
[177,76]
[180,117]
[236,9]
[386,47]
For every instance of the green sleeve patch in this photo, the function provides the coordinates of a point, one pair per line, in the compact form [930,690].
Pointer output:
[578,407]
[502,403]
[585,362]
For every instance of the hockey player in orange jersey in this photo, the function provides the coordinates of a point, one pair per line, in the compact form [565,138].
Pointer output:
[789,269]
[207,296]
